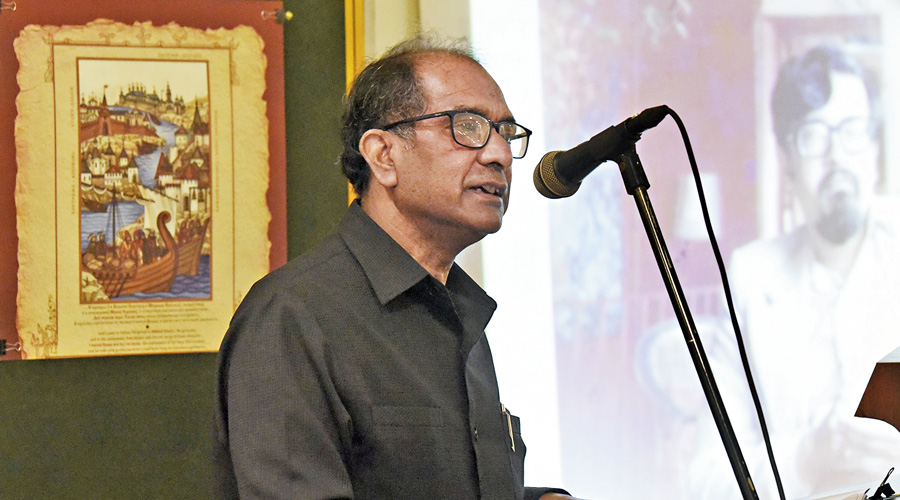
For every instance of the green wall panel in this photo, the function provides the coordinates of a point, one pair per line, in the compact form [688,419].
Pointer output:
[315,78]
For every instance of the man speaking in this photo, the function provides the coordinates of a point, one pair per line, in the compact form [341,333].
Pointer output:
[361,369]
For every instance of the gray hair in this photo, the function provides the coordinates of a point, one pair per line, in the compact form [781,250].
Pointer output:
[387,90]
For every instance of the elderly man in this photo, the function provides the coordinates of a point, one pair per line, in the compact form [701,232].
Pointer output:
[361,369]
[818,304]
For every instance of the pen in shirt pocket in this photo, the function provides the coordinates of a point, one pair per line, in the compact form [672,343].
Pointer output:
[512,438]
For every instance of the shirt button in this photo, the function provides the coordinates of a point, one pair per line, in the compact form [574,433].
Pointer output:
[475,433]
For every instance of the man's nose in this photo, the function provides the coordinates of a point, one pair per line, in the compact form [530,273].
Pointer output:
[497,151]
[836,155]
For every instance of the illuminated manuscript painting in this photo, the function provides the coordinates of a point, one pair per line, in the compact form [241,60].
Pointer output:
[140,194]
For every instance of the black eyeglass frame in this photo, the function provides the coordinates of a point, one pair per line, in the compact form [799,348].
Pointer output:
[453,113]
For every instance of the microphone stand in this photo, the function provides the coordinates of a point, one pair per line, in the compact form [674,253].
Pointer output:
[636,185]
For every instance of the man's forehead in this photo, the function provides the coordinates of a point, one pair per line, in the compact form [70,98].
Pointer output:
[453,82]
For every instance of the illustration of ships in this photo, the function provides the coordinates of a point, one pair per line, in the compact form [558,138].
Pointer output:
[189,250]
[129,278]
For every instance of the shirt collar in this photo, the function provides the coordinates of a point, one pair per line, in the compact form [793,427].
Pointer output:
[389,268]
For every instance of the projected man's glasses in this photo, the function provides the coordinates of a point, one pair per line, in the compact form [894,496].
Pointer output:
[854,135]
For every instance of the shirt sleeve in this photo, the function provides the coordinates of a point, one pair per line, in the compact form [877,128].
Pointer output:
[281,425]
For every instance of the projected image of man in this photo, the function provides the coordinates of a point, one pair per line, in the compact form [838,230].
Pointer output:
[814,303]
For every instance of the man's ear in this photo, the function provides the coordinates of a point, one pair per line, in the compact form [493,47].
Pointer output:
[788,160]
[377,147]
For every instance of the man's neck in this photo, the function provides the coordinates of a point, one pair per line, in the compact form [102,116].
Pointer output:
[434,252]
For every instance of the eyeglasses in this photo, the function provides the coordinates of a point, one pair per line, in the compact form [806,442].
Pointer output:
[813,138]
[473,130]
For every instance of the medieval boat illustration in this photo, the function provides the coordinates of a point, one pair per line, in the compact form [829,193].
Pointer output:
[145,192]
[190,246]
[130,276]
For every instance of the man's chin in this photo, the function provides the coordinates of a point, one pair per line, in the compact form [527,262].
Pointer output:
[490,221]
[492,228]
[840,226]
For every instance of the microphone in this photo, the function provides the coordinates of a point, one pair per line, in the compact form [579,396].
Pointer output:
[559,173]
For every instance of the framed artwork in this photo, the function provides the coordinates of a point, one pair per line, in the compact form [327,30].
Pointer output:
[141,190]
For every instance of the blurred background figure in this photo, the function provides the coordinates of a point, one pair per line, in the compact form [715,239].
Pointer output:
[817,304]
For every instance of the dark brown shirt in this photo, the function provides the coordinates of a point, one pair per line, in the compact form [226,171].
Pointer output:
[352,373]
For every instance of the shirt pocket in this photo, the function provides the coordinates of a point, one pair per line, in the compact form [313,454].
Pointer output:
[516,450]
[407,416]
[411,442]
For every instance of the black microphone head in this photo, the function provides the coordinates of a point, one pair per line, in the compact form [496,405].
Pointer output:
[547,183]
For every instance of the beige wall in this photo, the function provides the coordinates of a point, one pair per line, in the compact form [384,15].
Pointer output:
[390,21]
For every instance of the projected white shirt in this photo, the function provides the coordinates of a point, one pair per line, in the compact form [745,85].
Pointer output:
[813,338]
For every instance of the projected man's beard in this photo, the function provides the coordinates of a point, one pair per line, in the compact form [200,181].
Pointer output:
[842,215]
